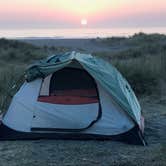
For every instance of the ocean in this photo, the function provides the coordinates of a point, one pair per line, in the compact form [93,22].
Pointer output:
[76,33]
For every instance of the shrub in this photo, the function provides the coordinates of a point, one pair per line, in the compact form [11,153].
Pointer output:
[142,73]
[9,76]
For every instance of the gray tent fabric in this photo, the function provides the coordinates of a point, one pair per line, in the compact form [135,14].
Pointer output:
[107,75]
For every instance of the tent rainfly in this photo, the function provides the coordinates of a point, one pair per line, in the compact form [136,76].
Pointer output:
[74,96]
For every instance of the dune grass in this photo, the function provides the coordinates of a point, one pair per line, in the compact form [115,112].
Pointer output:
[143,62]
[144,73]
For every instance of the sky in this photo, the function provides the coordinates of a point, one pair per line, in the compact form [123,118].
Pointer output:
[69,13]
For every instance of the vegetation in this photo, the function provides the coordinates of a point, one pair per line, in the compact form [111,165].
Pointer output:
[15,56]
[142,61]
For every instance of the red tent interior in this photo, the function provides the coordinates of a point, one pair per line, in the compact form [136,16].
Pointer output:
[71,86]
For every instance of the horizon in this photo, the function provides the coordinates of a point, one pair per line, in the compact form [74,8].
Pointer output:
[79,33]
[22,14]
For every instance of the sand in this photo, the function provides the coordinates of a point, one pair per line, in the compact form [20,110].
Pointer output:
[94,153]
[86,45]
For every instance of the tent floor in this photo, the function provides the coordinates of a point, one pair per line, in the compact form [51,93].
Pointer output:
[131,137]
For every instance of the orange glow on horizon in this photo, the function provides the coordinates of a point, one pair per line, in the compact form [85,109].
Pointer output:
[72,11]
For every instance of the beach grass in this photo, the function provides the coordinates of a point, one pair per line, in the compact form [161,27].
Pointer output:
[142,62]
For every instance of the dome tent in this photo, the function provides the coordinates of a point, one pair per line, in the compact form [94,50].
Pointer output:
[74,96]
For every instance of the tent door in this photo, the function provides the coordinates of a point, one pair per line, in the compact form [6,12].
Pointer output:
[72,120]
[72,104]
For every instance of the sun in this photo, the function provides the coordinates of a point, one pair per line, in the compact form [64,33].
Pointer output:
[84,22]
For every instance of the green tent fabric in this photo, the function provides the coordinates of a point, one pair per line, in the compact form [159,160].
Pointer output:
[100,70]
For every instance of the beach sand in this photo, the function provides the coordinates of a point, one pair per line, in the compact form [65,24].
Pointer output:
[86,45]
[93,153]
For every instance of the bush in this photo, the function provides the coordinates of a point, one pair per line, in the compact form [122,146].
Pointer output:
[9,76]
[19,52]
[143,73]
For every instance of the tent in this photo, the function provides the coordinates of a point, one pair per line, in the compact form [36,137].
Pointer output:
[74,96]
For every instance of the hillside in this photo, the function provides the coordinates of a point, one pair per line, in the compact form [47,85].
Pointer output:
[140,58]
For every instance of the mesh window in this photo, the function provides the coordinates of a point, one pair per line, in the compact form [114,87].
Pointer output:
[69,79]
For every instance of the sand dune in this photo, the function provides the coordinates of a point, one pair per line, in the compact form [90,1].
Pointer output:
[87,45]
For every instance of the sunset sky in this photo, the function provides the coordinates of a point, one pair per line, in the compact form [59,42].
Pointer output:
[69,13]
